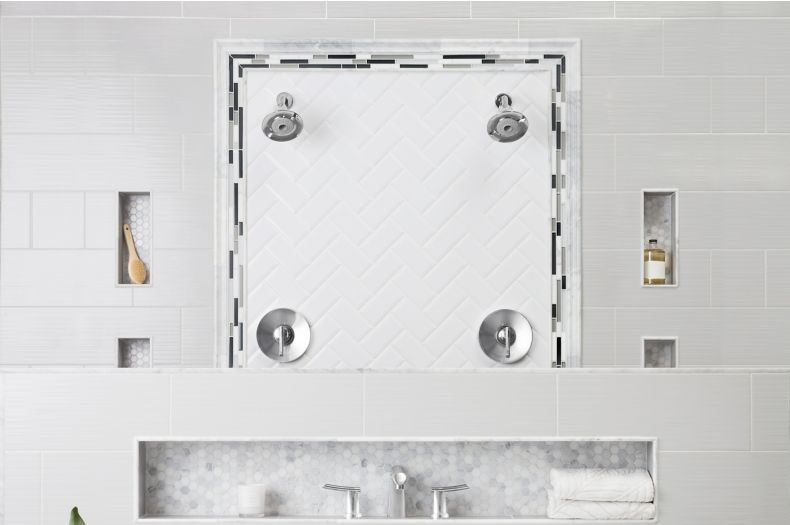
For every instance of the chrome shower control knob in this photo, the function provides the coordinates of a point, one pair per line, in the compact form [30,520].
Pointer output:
[505,336]
[283,335]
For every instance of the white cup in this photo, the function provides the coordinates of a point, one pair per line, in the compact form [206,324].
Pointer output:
[252,500]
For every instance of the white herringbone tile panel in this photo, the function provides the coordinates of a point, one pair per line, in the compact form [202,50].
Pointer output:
[394,223]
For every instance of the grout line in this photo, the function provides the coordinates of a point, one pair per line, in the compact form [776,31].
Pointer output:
[614,161]
[183,161]
[170,405]
[663,46]
[557,405]
[751,412]
[84,221]
[765,278]
[41,487]
[30,219]
[710,104]
[710,278]
[615,337]
[364,403]
[765,104]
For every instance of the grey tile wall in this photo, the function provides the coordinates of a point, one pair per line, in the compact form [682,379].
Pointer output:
[716,488]
[676,94]
[689,411]
[723,453]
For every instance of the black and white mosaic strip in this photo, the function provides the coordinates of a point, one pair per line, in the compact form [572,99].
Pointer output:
[241,65]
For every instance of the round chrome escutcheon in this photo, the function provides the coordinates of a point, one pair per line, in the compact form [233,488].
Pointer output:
[283,335]
[505,336]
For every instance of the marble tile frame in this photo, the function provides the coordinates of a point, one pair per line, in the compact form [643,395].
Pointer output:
[139,445]
[234,58]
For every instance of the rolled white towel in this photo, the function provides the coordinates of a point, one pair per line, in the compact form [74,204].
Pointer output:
[598,510]
[598,484]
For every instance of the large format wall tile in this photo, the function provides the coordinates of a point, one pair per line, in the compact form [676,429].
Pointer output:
[703,162]
[22,488]
[68,162]
[778,278]
[728,337]
[57,220]
[598,161]
[304,28]
[126,45]
[754,220]
[60,411]
[277,9]
[542,9]
[396,9]
[180,277]
[778,105]
[14,220]
[598,336]
[76,336]
[737,105]
[771,411]
[717,488]
[106,8]
[462,404]
[737,278]
[183,220]
[283,405]
[446,28]
[197,337]
[709,9]
[60,278]
[687,412]
[613,278]
[612,220]
[98,482]
[646,105]
[727,47]
[67,104]
[609,47]
[173,104]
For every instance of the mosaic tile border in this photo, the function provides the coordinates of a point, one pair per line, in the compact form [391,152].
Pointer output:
[565,307]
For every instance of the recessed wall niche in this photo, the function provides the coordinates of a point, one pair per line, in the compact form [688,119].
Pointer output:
[659,238]
[134,210]
[134,353]
[659,352]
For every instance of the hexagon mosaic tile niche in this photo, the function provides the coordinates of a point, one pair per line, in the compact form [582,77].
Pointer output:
[134,209]
[505,478]
[134,353]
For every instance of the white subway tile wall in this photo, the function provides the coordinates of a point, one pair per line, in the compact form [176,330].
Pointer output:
[105,97]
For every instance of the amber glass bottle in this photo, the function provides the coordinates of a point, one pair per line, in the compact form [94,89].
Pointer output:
[655,264]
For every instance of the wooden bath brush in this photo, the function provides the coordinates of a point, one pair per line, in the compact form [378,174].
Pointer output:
[136,266]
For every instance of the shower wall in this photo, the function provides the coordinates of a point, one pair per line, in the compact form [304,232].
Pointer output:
[394,223]
[103,97]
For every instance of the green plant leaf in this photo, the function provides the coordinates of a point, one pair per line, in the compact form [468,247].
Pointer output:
[75,517]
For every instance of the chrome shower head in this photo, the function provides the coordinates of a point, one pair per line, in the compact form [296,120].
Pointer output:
[507,125]
[283,124]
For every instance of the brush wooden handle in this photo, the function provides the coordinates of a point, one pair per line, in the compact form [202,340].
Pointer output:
[127,233]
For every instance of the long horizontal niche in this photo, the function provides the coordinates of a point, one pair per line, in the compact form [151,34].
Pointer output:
[185,479]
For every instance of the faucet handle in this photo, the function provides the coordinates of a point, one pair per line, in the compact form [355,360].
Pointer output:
[440,499]
[352,499]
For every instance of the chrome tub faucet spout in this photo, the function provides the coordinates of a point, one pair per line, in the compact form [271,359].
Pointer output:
[397,502]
